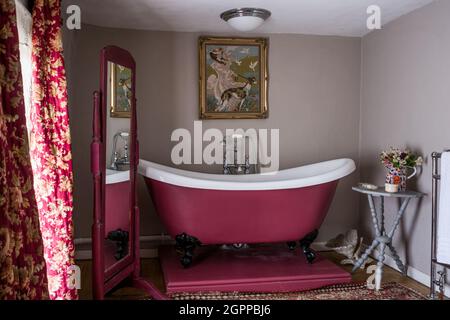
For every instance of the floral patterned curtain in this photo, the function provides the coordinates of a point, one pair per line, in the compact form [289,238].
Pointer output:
[22,265]
[51,148]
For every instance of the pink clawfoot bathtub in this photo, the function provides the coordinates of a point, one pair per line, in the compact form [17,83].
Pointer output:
[286,206]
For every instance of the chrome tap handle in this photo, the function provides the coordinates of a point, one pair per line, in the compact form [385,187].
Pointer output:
[125,153]
[247,165]
[114,160]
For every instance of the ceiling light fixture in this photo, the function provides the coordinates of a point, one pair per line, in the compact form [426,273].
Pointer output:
[245,19]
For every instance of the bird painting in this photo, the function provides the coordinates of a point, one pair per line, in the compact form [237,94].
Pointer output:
[252,65]
[233,78]
[121,105]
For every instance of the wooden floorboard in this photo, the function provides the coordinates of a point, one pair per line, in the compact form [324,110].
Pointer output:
[151,270]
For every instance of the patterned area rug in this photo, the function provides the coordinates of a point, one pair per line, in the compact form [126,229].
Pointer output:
[389,291]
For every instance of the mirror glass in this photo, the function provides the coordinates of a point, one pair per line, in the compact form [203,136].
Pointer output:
[118,183]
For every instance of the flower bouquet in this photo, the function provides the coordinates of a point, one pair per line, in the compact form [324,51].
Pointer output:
[397,162]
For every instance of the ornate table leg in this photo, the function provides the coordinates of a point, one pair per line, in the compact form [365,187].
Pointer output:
[376,242]
[373,212]
[382,229]
[399,262]
[380,263]
[366,254]
[400,213]
[399,217]
[379,230]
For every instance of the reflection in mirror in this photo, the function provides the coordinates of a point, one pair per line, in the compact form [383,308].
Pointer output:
[114,159]
[121,95]
[117,183]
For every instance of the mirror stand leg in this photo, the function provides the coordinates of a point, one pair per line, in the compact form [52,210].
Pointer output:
[149,287]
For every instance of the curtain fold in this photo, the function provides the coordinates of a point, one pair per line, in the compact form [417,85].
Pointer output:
[22,265]
[51,148]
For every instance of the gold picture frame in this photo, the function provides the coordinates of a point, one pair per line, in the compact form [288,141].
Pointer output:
[120,88]
[233,79]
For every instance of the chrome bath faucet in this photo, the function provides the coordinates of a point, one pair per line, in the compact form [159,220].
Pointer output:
[120,162]
[234,168]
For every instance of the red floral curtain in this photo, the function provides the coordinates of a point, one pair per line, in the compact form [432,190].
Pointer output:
[22,265]
[51,148]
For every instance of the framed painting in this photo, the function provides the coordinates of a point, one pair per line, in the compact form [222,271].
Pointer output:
[121,93]
[233,78]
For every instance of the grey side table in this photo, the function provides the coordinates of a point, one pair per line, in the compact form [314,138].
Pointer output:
[383,239]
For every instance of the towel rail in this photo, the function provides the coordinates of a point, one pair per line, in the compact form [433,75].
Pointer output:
[435,281]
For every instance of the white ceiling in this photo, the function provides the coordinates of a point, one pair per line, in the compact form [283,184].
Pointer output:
[322,17]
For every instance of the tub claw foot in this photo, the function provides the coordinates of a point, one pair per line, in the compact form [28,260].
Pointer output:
[185,245]
[305,244]
[310,255]
[120,237]
[291,245]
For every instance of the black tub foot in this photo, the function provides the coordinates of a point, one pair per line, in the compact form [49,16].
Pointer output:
[305,244]
[185,245]
[291,245]
[120,237]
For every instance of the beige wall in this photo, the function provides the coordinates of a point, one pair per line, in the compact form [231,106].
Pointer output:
[314,99]
[405,102]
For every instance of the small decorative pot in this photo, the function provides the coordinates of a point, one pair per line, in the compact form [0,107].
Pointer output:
[389,187]
[399,176]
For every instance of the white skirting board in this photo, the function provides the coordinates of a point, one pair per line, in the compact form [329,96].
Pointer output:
[154,241]
[148,241]
[149,245]
[413,273]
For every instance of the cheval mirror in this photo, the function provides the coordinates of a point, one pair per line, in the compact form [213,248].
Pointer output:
[114,160]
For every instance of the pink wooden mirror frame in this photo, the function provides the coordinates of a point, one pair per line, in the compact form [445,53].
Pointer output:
[103,280]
